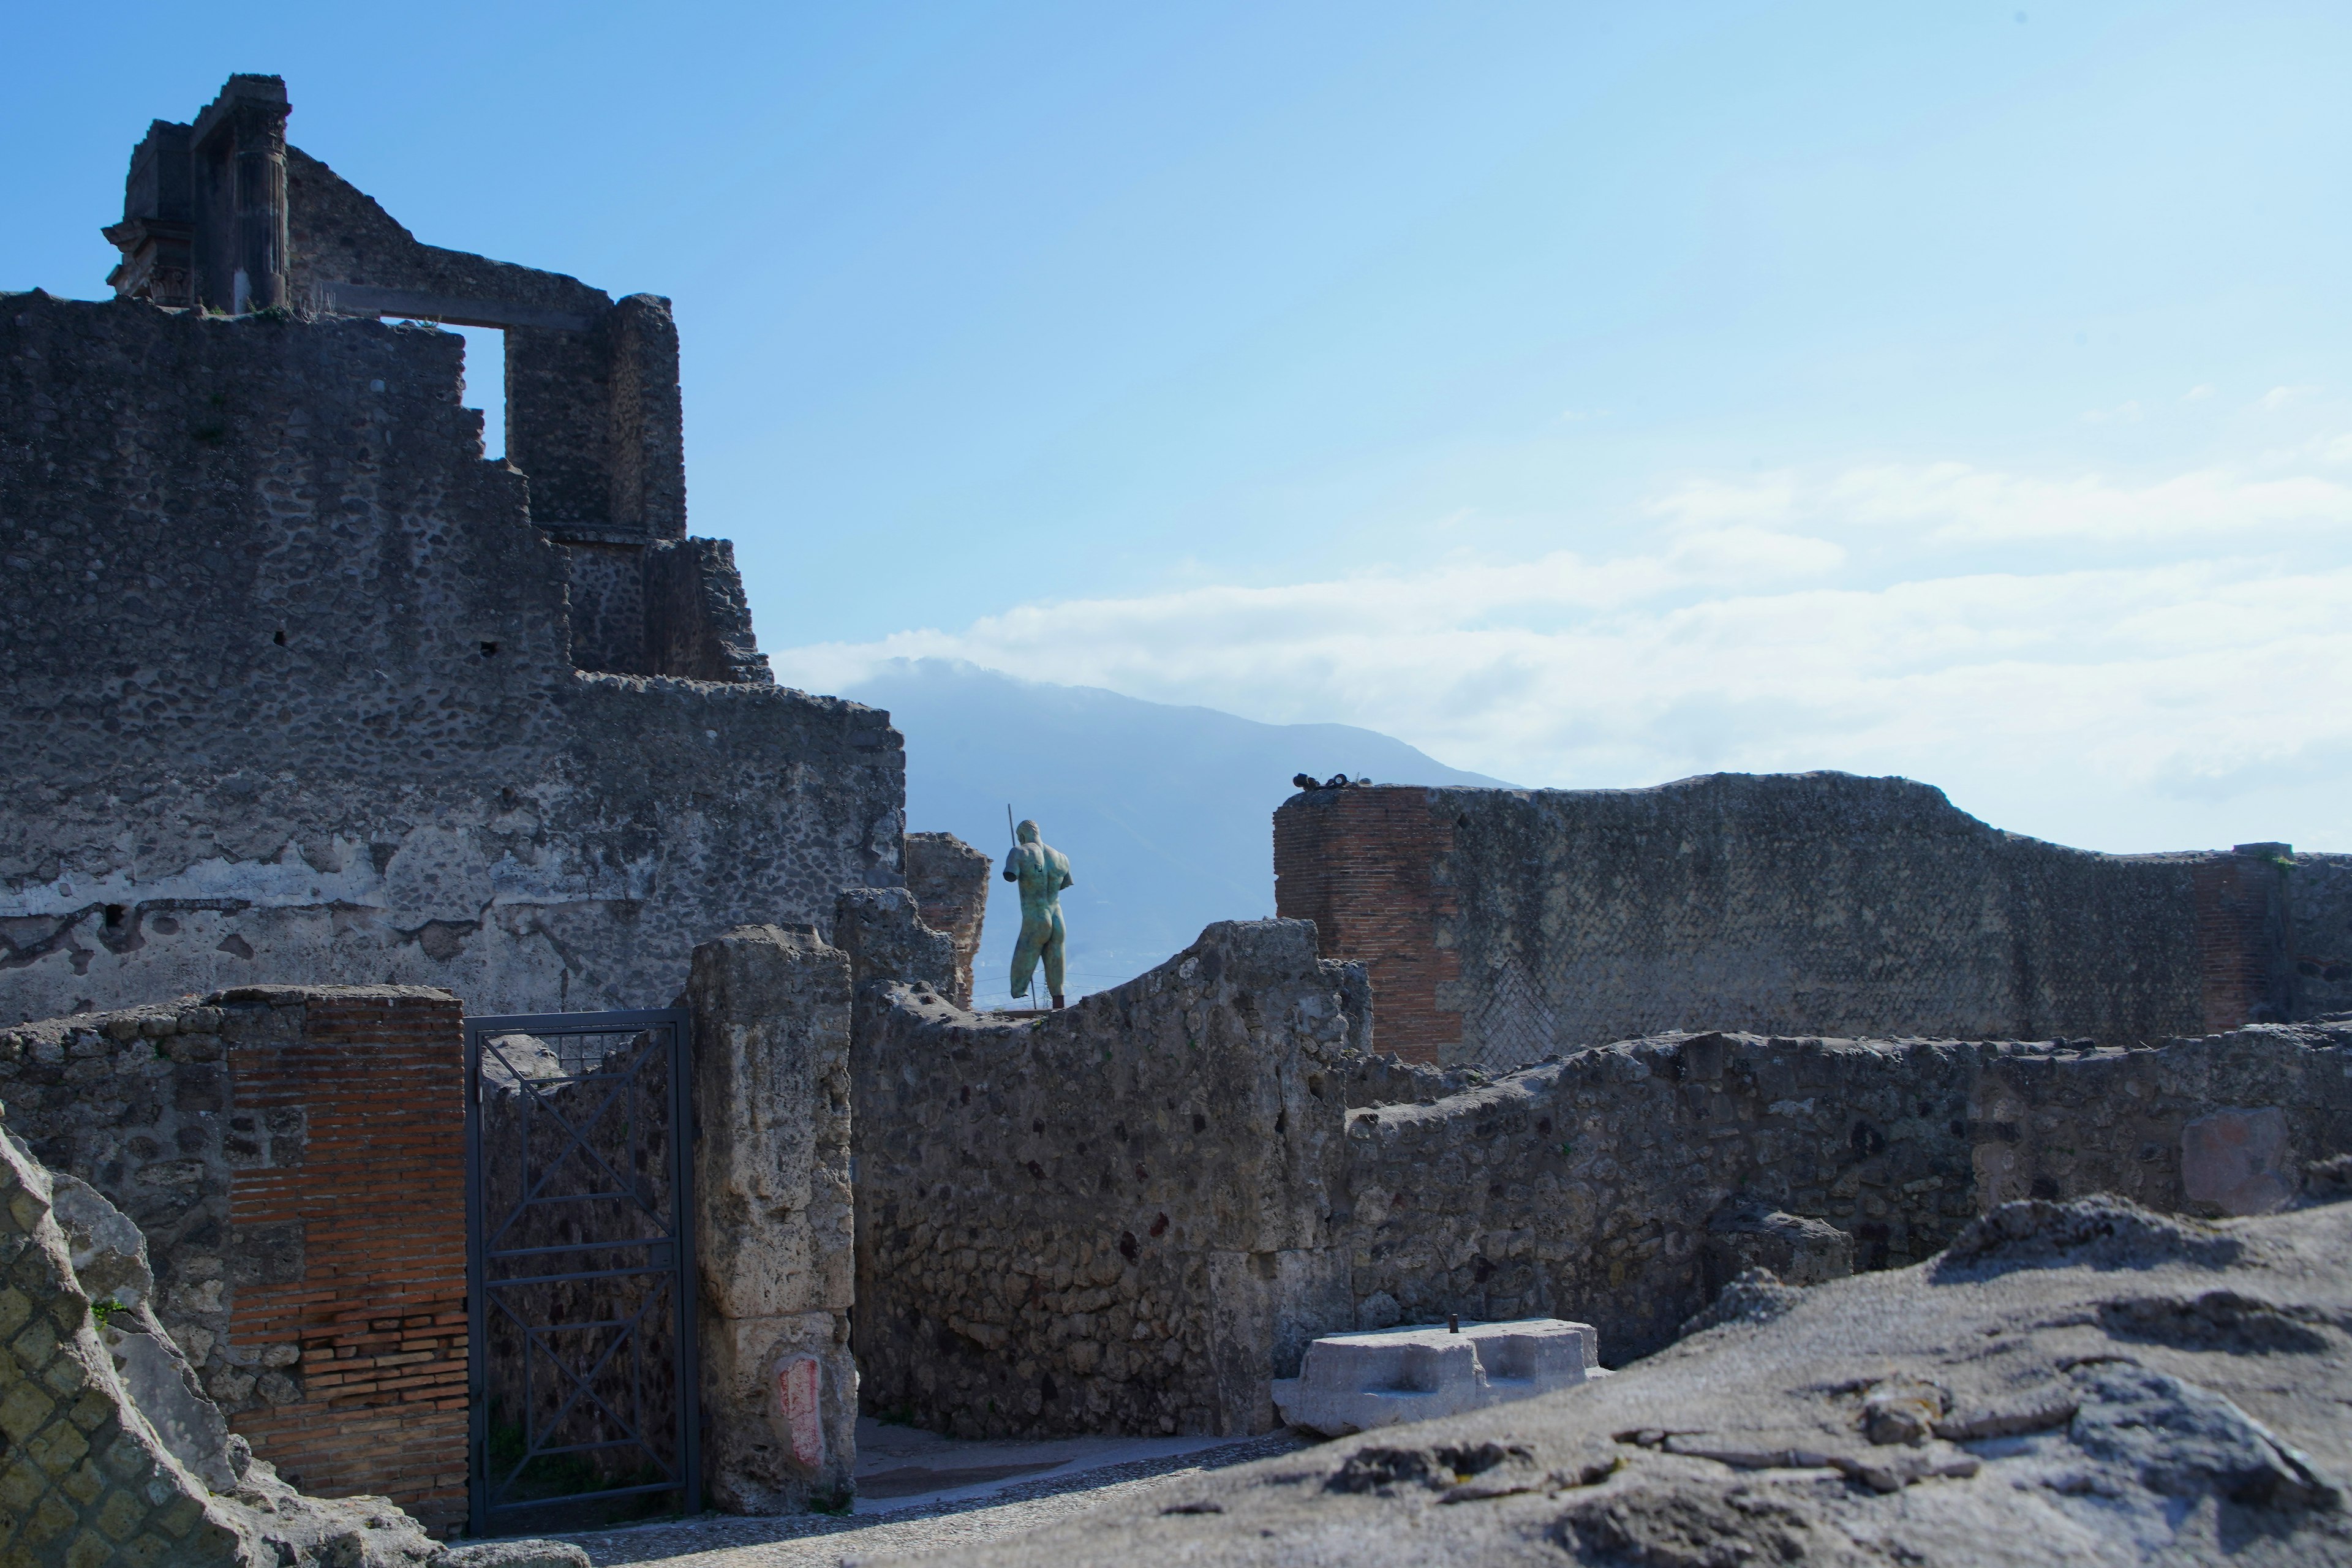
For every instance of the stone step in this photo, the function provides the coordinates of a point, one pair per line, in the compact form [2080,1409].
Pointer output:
[1353,1383]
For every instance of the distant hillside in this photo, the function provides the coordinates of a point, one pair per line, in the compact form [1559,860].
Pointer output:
[1165,812]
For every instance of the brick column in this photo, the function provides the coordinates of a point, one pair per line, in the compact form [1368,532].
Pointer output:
[1362,864]
[347,1249]
[2241,935]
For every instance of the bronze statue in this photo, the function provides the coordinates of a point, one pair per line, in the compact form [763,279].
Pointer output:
[1043,872]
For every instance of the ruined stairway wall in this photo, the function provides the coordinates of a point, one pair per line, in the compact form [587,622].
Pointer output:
[296,699]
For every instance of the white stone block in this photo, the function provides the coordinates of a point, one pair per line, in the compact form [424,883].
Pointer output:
[1353,1383]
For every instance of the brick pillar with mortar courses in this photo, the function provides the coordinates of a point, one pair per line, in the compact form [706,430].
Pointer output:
[2241,935]
[347,1248]
[1362,863]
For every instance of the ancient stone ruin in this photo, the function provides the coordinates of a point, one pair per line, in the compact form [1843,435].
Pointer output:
[1500,925]
[392,713]
[478,1045]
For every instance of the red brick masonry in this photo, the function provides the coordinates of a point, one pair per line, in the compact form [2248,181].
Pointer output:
[363,1198]
[2240,935]
[1363,865]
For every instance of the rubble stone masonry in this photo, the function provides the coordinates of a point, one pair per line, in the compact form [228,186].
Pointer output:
[1117,1217]
[1584,1187]
[291,693]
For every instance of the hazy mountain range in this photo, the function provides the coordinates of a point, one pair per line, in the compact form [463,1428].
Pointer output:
[1165,812]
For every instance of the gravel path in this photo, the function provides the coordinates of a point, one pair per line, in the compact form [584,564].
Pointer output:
[817,1541]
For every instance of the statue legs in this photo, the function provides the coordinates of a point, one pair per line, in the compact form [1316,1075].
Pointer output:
[1041,937]
[1053,946]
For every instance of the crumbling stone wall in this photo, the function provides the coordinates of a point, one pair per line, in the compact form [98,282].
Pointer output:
[1590,1186]
[1501,925]
[1119,1218]
[348,742]
[253,1136]
[2216,1126]
[949,880]
[882,933]
[592,386]
[1621,1185]
[1583,1188]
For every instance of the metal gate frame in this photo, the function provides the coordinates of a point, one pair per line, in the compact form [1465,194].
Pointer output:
[679,1240]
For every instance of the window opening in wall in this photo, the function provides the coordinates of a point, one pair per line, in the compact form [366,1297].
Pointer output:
[486,383]
[483,379]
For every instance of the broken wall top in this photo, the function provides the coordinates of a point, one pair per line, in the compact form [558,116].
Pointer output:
[225,216]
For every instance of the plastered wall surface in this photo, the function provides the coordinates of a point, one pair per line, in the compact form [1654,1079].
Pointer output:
[1117,1218]
[1501,925]
[348,741]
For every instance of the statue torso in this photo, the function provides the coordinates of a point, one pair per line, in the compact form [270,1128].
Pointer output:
[1042,870]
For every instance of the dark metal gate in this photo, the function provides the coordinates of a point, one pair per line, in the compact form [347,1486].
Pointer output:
[579,1279]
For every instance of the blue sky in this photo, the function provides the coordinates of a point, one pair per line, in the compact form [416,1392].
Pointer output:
[1589,396]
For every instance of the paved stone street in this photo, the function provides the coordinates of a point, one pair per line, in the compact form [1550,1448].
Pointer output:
[961,1516]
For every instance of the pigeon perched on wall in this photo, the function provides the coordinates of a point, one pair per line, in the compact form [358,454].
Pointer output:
[1305,781]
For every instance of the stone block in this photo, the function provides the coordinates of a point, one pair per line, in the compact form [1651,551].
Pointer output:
[1353,1383]
[774,1225]
[780,1404]
[949,880]
[2236,1161]
[882,931]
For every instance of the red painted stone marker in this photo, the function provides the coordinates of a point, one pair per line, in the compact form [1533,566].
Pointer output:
[796,1391]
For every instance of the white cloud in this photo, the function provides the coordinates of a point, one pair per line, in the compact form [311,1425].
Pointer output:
[2280,396]
[2198,393]
[1742,632]
[1955,504]
[2122,413]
